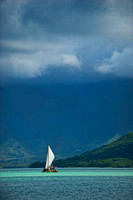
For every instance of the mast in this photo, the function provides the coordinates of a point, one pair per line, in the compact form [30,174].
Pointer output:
[47,161]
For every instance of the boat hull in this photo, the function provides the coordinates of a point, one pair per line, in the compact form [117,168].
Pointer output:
[46,170]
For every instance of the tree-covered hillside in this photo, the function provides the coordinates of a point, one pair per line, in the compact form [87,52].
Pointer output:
[117,154]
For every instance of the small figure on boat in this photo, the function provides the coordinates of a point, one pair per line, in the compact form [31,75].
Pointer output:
[50,157]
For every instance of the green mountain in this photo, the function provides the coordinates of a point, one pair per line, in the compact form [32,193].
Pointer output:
[14,154]
[116,154]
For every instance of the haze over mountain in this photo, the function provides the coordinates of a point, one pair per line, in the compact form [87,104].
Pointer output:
[70,118]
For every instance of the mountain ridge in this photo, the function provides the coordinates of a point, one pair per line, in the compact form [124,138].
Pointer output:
[14,153]
[115,154]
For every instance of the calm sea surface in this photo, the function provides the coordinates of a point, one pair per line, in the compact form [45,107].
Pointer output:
[68,183]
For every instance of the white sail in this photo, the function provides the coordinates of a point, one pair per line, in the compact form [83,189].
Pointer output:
[50,158]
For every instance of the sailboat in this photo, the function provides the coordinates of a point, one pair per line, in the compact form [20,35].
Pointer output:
[50,157]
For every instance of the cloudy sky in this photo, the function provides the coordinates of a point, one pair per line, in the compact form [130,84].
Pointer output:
[66,68]
[66,41]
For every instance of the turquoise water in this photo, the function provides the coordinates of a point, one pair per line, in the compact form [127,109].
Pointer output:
[68,183]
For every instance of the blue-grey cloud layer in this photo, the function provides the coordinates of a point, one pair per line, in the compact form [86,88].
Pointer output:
[66,41]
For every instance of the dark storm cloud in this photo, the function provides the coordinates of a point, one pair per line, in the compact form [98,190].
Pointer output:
[74,40]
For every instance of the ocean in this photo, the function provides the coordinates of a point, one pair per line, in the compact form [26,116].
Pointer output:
[67,184]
